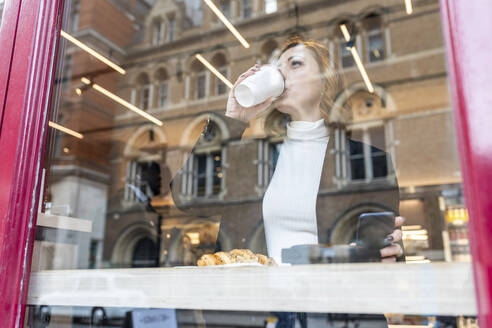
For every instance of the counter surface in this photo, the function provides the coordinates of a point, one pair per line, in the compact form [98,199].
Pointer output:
[433,288]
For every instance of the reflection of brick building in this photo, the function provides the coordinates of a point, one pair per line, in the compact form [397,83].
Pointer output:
[409,115]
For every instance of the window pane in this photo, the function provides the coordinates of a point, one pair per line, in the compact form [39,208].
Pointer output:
[75,13]
[246,8]
[270,6]
[194,13]
[357,169]
[162,94]
[378,140]
[201,175]
[375,45]
[356,148]
[171,28]
[144,98]
[346,56]
[200,86]
[192,175]
[2,4]
[221,88]
[156,37]
[379,166]
[225,8]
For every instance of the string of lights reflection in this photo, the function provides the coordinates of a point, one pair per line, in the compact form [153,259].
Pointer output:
[214,70]
[92,52]
[409,7]
[118,99]
[226,22]
[358,62]
[65,130]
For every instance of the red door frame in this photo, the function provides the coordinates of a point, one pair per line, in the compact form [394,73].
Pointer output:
[467,26]
[31,35]
[7,39]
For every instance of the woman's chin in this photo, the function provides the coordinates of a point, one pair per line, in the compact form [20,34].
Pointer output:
[283,106]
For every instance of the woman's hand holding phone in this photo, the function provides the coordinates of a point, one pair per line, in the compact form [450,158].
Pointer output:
[390,253]
[236,111]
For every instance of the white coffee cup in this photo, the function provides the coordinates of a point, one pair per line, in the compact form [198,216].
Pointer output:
[255,89]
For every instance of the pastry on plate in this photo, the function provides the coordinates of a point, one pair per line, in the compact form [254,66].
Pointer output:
[234,256]
[207,259]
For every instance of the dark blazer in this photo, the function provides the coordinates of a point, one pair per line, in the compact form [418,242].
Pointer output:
[337,201]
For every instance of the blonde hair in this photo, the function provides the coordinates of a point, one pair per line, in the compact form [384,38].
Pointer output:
[332,86]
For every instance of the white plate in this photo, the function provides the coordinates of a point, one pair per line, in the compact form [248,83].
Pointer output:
[232,265]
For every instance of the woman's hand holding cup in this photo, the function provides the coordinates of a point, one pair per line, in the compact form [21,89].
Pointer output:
[245,114]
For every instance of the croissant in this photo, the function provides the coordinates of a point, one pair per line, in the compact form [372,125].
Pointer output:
[234,256]
[243,255]
[223,258]
[262,259]
[207,259]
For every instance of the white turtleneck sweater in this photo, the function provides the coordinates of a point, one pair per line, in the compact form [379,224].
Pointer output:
[289,204]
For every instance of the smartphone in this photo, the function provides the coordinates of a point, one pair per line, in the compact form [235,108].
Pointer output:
[374,228]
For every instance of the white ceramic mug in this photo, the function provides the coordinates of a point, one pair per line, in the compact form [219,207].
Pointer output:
[255,89]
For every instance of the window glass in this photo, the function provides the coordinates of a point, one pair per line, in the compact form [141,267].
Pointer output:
[225,8]
[200,86]
[75,16]
[163,198]
[2,5]
[145,97]
[375,46]
[346,59]
[171,29]
[270,6]
[157,33]
[246,9]
[194,13]
[221,88]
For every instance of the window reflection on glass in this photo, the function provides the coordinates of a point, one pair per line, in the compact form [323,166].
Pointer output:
[270,6]
[163,90]
[403,129]
[368,162]
[225,8]
[75,16]
[2,5]
[220,87]
[174,80]
[162,77]
[372,24]
[200,86]
[67,71]
[345,56]
[375,46]
[157,32]
[171,28]
[208,174]
[194,13]
[246,8]
[268,152]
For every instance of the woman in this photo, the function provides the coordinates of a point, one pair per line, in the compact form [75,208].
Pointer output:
[289,203]
[292,208]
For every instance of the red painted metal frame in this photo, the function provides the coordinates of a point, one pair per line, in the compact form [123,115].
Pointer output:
[26,75]
[7,40]
[22,143]
[467,26]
